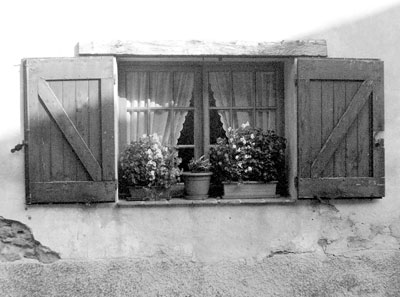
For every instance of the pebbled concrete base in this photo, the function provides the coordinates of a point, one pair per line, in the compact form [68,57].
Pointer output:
[367,274]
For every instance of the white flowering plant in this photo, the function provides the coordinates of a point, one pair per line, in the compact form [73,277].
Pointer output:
[147,163]
[248,154]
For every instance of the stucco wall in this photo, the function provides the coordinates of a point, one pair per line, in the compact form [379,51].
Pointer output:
[307,249]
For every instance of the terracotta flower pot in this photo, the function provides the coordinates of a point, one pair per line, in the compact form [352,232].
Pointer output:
[249,190]
[197,185]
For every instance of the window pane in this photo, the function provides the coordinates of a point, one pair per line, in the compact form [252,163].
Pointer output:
[137,127]
[184,127]
[183,88]
[220,89]
[242,117]
[160,122]
[160,89]
[243,89]
[266,95]
[219,121]
[186,154]
[266,120]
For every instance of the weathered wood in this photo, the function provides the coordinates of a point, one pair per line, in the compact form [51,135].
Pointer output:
[109,138]
[378,123]
[69,130]
[327,122]
[72,68]
[72,192]
[315,121]
[339,90]
[346,85]
[94,119]
[299,48]
[341,128]
[338,69]
[341,187]
[57,140]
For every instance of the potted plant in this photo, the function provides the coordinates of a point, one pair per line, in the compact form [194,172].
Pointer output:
[197,180]
[249,162]
[149,169]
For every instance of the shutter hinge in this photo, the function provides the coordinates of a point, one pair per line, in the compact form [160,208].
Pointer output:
[296,182]
[19,146]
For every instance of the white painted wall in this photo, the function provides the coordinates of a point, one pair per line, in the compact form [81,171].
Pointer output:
[50,29]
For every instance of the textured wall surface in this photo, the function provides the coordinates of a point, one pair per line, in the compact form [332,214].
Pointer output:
[280,275]
[345,248]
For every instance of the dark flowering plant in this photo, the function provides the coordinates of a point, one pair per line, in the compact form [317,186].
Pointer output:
[249,154]
[147,163]
[201,164]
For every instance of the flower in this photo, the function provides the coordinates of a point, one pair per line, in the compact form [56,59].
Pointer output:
[248,154]
[148,163]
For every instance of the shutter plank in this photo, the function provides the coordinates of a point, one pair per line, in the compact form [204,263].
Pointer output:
[57,140]
[73,191]
[327,120]
[341,187]
[108,129]
[94,119]
[378,127]
[304,124]
[69,130]
[339,109]
[68,105]
[351,137]
[82,121]
[341,128]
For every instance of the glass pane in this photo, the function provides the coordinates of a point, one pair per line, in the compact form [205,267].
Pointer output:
[186,154]
[220,89]
[184,127]
[160,89]
[266,120]
[183,88]
[137,89]
[219,123]
[242,117]
[243,89]
[160,122]
[137,127]
[266,96]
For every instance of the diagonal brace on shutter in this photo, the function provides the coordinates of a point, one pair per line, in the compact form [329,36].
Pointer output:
[342,127]
[69,130]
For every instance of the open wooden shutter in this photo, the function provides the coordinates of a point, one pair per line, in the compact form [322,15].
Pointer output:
[70,130]
[340,128]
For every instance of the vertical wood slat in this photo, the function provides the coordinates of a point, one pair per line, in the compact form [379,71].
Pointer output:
[339,90]
[57,140]
[327,112]
[315,115]
[304,123]
[378,166]
[44,134]
[108,144]
[95,119]
[82,121]
[363,141]
[352,137]
[68,102]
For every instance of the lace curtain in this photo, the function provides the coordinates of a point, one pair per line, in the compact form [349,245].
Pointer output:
[160,92]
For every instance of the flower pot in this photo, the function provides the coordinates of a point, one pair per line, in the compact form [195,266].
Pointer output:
[142,193]
[249,190]
[197,185]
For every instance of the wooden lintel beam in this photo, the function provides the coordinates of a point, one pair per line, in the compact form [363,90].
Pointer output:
[297,48]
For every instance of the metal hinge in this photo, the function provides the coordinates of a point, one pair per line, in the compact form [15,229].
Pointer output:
[296,182]
[19,146]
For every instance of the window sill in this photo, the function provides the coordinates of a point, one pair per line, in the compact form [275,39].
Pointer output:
[208,202]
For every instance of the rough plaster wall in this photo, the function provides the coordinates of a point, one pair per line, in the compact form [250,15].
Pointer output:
[17,242]
[297,275]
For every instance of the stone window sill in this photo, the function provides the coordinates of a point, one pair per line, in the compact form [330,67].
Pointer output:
[177,202]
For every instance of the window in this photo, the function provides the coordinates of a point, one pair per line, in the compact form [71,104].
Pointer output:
[330,110]
[191,106]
